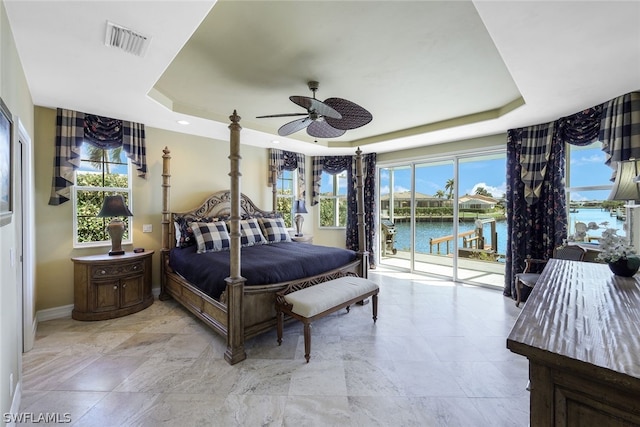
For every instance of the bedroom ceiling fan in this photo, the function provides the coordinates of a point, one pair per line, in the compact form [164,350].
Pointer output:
[328,119]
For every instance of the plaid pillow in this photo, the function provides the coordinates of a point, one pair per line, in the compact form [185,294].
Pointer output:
[275,230]
[184,234]
[211,236]
[250,233]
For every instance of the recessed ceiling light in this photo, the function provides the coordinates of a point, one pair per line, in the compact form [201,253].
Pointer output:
[275,141]
[183,122]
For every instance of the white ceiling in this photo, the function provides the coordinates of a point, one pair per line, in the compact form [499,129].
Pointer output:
[429,71]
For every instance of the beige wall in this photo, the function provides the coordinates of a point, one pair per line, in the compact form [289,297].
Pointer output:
[15,94]
[199,166]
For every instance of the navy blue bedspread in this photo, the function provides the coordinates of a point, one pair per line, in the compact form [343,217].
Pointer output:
[260,264]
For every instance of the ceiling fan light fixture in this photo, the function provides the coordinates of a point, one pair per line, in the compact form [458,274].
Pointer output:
[329,119]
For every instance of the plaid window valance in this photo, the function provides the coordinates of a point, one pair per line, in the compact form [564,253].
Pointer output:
[331,165]
[615,123]
[288,160]
[73,128]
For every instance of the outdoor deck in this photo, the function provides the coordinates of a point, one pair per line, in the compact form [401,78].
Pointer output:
[481,273]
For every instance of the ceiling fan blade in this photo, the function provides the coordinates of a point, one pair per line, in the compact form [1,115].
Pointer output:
[353,115]
[322,129]
[283,115]
[294,126]
[312,104]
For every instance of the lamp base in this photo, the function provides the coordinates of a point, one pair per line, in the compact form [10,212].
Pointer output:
[116,253]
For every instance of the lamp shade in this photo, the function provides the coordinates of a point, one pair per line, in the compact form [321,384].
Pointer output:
[114,206]
[626,186]
[299,207]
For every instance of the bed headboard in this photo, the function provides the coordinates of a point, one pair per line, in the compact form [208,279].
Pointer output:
[218,205]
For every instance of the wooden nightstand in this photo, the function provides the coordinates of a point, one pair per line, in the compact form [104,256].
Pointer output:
[307,238]
[111,286]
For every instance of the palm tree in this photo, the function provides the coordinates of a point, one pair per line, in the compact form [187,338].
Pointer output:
[100,158]
[449,188]
[439,194]
[481,191]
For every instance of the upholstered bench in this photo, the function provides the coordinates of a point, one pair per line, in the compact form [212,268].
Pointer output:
[318,300]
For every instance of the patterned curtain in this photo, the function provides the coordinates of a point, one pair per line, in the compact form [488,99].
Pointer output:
[336,164]
[73,128]
[288,160]
[619,129]
[533,228]
[369,181]
[536,201]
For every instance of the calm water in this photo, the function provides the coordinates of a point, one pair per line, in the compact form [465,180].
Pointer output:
[427,230]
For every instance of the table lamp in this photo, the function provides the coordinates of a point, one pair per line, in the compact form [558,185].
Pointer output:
[114,206]
[299,208]
[627,187]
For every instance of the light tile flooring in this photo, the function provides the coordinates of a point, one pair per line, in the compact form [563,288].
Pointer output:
[435,357]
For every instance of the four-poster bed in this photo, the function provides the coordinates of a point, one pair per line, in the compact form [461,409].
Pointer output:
[243,309]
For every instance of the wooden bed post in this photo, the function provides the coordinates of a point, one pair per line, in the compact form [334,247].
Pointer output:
[164,253]
[362,238]
[235,282]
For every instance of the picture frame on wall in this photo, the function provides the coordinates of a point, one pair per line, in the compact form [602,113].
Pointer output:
[6,164]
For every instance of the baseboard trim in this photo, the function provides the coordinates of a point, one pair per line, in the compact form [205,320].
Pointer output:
[15,403]
[54,313]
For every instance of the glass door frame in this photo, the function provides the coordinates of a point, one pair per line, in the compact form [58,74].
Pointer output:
[421,161]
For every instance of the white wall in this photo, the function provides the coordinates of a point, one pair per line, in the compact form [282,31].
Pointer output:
[15,93]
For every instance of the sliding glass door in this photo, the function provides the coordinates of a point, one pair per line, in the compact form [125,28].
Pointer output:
[434,217]
[396,207]
[445,217]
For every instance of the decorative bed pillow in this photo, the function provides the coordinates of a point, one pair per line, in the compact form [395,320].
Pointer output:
[275,230]
[211,236]
[250,233]
[184,234]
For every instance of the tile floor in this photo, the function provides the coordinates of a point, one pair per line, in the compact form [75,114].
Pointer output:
[435,357]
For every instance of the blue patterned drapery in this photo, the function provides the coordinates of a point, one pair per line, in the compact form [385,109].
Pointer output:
[533,228]
[288,160]
[537,224]
[336,164]
[73,128]
[369,182]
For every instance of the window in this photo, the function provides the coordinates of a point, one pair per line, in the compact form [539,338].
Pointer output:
[101,173]
[588,188]
[333,200]
[286,193]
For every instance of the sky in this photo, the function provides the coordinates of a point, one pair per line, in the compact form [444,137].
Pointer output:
[586,168]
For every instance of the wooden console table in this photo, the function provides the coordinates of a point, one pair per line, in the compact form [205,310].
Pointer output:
[580,330]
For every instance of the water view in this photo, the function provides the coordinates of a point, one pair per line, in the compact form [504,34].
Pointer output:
[435,229]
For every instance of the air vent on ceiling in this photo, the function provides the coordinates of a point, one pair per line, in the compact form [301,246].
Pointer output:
[128,40]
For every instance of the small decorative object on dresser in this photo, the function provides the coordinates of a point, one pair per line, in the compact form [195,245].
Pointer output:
[111,286]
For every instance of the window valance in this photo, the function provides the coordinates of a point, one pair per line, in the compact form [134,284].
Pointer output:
[73,128]
[280,160]
[615,123]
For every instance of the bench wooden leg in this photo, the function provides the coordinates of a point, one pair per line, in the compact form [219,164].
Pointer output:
[307,341]
[280,318]
[374,305]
